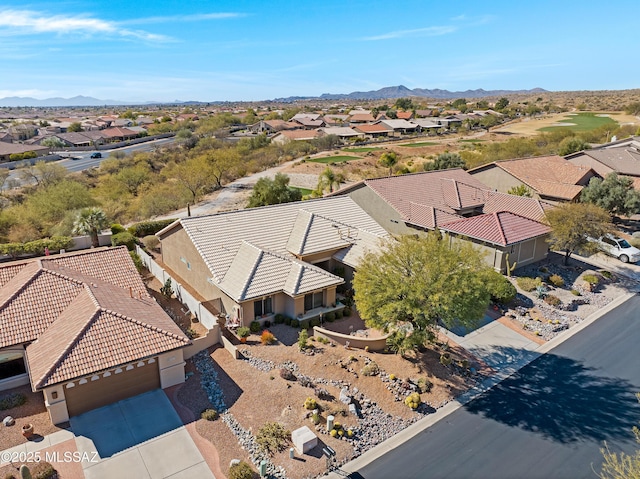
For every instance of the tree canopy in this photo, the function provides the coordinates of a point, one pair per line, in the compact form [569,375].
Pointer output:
[416,282]
[573,224]
[615,194]
[273,192]
[90,221]
[444,161]
[389,159]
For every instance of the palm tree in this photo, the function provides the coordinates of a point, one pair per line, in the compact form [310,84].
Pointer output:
[328,179]
[90,221]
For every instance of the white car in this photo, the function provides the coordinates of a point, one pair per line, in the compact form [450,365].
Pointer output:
[619,248]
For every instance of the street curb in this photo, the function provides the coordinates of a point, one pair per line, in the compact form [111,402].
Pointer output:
[424,423]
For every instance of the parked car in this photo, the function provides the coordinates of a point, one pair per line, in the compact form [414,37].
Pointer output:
[97,154]
[619,248]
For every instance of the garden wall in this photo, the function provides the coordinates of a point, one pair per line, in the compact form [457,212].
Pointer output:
[358,342]
[200,344]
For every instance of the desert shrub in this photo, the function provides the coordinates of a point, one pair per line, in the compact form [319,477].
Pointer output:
[424,385]
[304,324]
[272,437]
[314,322]
[528,284]
[243,332]
[413,400]
[254,326]
[347,312]
[306,382]
[151,242]
[242,470]
[606,274]
[117,228]
[43,470]
[543,269]
[295,323]
[323,340]
[310,404]
[315,418]
[331,316]
[445,359]
[287,374]
[500,288]
[371,369]
[339,314]
[12,400]
[552,300]
[575,292]
[209,414]
[592,279]
[279,318]
[302,340]
[267,337]
[126,239]
[287,321]
[147,228]
[322,393]
[556,280]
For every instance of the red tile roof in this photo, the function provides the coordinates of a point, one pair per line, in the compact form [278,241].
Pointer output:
[379,128]
[502,228]
[80,317]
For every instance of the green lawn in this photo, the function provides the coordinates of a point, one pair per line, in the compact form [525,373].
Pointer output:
[334,159]
[363,149]
[418,145]
[583,122]
[471,141]
[303,191]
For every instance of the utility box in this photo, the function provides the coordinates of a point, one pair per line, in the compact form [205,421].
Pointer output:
[304,439]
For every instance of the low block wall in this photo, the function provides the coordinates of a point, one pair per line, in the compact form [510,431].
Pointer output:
[358,342]
[204,342]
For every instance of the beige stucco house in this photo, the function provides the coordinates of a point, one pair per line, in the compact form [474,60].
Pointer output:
[288,259]
[81,328]
[455,202]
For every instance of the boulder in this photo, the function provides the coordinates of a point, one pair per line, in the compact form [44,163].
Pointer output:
[8,421]
[344,396]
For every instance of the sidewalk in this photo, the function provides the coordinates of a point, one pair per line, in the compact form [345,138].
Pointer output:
[504,351]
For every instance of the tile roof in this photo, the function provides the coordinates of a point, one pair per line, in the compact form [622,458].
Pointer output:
[339,131]
[72,317]
[299,134]
[399,124]
[625,161]
[379,128]
[502,228]
[531,208]
[254,251]
[361,117]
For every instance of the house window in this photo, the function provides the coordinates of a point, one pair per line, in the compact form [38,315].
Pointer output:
[313,300]
[263,306]
[11,364]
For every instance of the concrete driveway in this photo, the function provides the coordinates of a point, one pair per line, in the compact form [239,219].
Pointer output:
[140,437]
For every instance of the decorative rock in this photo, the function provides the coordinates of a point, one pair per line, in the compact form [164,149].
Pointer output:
[8,421]
[344,396]
[352,409]
[234,462]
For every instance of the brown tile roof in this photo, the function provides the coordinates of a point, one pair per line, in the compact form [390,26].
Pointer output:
[81,320]
[379,128]
[117,132]
[502,228]
[299,134]
[404,115]
[531,208]
[362,117]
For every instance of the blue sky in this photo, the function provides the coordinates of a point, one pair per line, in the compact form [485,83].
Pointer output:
[255,50]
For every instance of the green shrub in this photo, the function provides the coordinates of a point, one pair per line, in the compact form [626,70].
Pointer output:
[424,385]
[500,288]
[279,318]
[117,228]
[272,437]
[151,242]
[575,292]
[12,400]
[314,322]
[302,339]
[331,316]
[254,326]
[592,279]
[37,247]
[339,314]
[209,414]
[126,239]
[295,323]
[287,321]
[304,324]
[528,284]
[606,274]
[315,418]
[347,312]
[243,332]
[445,359]
[552,300]
[147,228]
[556,280]
[137,261]
[242,470]
[370,369]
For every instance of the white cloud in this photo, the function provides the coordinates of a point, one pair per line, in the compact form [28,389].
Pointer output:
[416,32]
[198,17]
[26,22]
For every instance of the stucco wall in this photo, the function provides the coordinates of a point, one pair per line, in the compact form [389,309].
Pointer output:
[496,178]
[57,406]
[171,366]
[358,342]
[380,211]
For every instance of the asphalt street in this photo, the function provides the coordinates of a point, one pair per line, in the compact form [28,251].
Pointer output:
[549,420]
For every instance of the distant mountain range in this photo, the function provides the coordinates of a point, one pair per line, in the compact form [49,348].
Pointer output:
[389,92]
[402,91]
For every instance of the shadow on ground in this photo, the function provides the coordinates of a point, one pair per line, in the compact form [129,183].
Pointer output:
[561,399]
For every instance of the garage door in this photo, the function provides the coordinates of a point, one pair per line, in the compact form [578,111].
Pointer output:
[117,385]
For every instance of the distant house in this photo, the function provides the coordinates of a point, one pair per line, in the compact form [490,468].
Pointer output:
[404,115]
[74,139]
[401,126]
[375,130]
[8,149]
[335,120]
[306,116]
[308,123]
[281,259]
[342,132]
[118,134]
[424,113]
[81,328]
[622,157]
[548,177]
[294,135]
[454,202]
[427,124]
[358,118]
[271,126]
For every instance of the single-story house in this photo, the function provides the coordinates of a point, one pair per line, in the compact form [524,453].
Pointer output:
[548,177]
[271,126]
[8,149]
[116,133]
[342,132]
[308,123]
[401,126]
[356,118]
[427,124]
[335,120]
[288,258]
[375,130]
[404,115]
[622,157]
[81,328]
[294,135]
[457,203]
[74,139]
